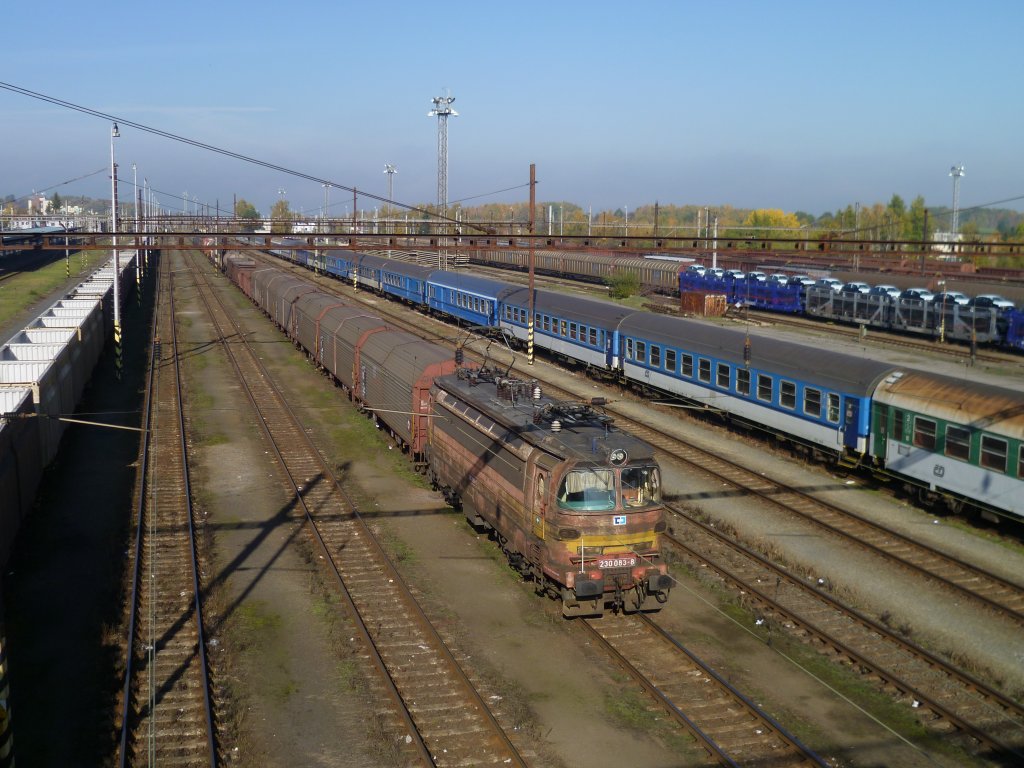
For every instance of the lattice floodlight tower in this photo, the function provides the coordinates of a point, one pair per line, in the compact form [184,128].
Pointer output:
[956,172]
[442,110]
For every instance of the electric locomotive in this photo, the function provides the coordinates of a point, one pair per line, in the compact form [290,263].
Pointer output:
[574,503]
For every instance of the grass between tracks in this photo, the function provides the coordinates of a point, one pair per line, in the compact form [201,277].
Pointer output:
[18,293]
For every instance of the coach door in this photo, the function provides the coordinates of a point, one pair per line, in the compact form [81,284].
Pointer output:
[851,413]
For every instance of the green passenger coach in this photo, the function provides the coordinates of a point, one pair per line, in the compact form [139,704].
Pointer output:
[955,440]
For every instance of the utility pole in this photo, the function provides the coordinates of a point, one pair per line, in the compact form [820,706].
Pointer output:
[533,256]
[115,134]
[956,172]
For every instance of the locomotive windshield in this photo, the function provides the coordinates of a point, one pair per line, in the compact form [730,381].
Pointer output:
[596,490]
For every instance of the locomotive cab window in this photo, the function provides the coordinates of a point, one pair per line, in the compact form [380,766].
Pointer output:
[641,487]
[587,489]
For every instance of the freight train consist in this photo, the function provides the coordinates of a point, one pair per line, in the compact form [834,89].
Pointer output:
[884,312]
[949,441]
[573,502]
[43,370]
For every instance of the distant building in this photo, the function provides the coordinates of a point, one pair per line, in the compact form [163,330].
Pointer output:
[38,205]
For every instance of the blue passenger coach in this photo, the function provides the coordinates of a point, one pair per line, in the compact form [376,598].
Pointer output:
[816,396]
[472,299]
[577,328]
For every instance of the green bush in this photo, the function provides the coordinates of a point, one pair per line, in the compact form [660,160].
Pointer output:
[623,285]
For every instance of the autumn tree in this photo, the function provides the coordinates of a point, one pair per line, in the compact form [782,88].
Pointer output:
[281,217]
[771,218]
[248,215]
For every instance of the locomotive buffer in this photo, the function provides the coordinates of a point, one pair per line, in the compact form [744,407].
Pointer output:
[573,502]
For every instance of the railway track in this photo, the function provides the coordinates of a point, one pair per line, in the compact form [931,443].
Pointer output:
[727,725]
[436,701]
[918,677]
[167,713]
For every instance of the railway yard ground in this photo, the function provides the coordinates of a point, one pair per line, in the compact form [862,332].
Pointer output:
[295,689]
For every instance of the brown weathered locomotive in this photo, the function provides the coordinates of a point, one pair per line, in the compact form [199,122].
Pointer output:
[574,503]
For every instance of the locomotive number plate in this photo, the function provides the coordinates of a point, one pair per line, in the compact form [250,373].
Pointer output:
[618,562]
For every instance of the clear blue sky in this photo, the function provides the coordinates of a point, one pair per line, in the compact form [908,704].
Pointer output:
[794,105]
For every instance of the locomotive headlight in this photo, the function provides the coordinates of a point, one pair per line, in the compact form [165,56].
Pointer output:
[618,456]
[568,533]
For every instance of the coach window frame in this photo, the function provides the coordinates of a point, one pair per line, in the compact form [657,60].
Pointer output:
[743,381]
[958,442]
[641,351]
[925,433]
[787,394]
[765,388]
[812,402]
[723,370]
[704,370]
[671,358]
[655,356]
[686,366]
[987,455]
[833,405]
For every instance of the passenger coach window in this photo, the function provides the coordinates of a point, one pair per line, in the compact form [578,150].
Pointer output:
[812,402]
[743,381]
[958,442]
[924,433]
[993,453]
[897,425]
[641,352]
[655,356]
[670,360]
[764,387]
[572,331]
[563,333]
[704,370]
[723,376]
[787,394]
[688,366]
[833,408]
[593,337]
[629,349]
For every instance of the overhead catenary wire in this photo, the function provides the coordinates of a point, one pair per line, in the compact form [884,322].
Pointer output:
[222,151]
